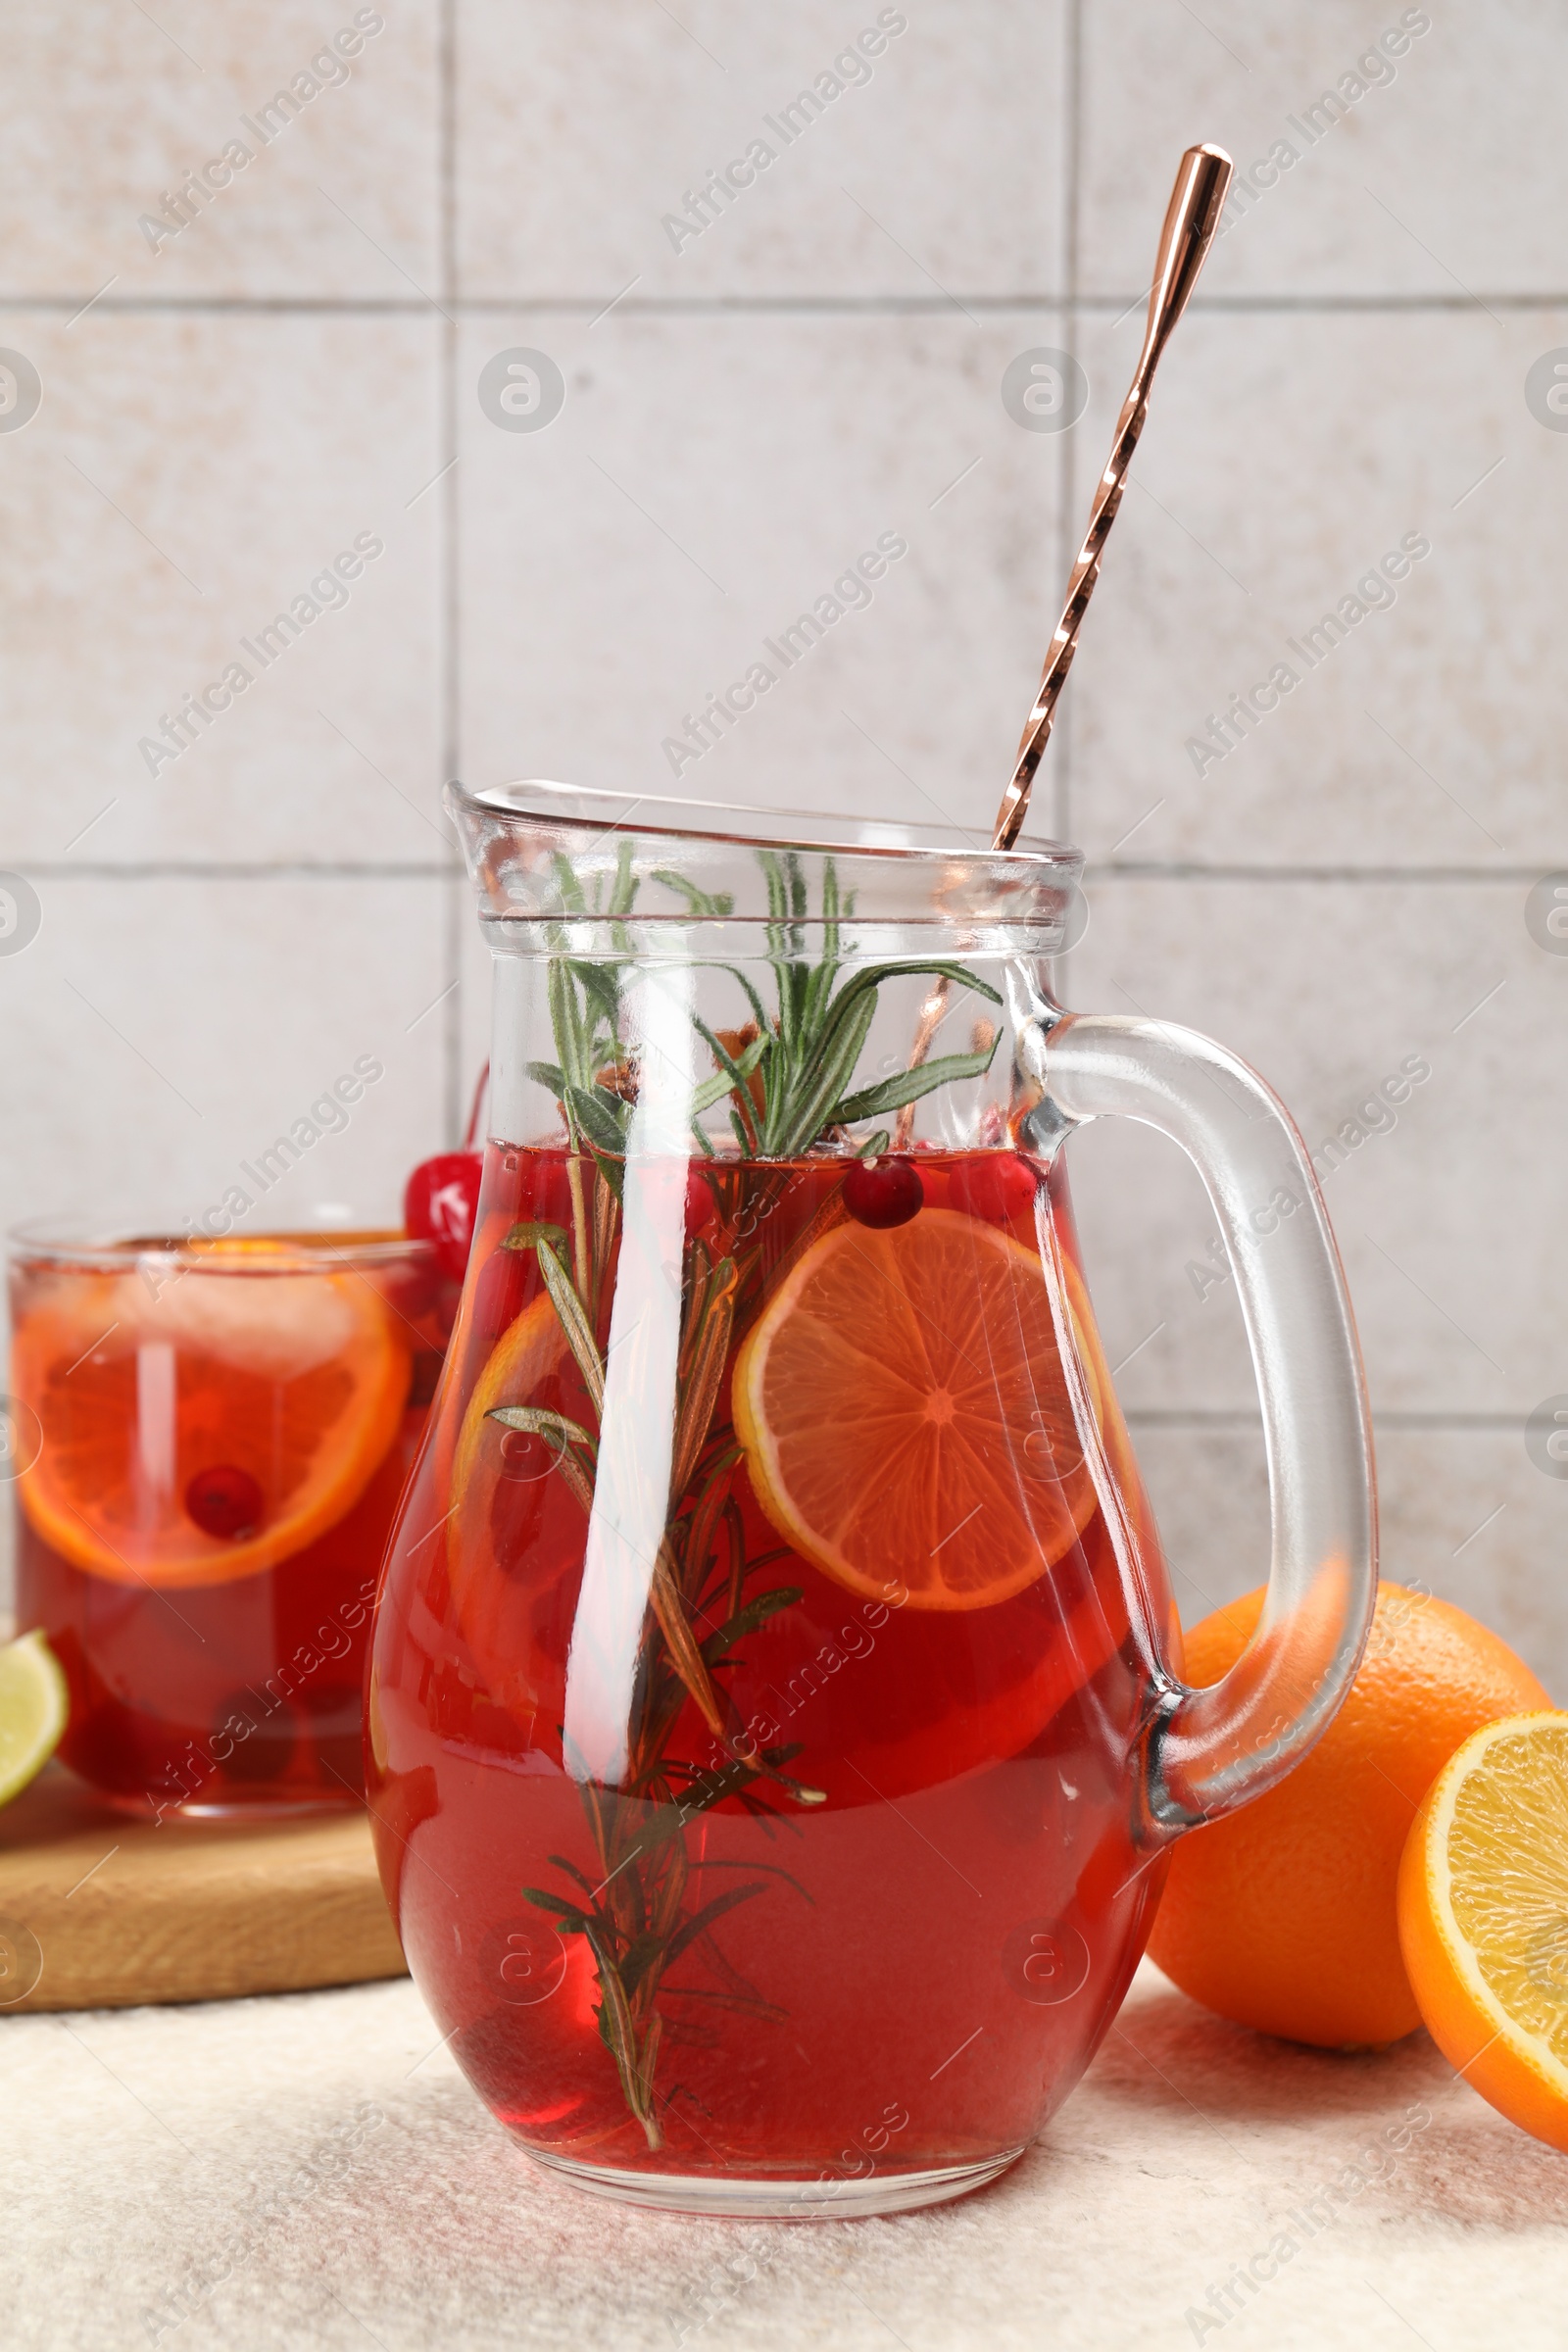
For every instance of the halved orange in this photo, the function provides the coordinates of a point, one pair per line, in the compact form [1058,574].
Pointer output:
[294,1380]
[1484,1917]
[906,1415]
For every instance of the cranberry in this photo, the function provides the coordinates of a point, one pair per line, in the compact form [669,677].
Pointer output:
[440,1204]
[224,1500]
[883,1191]
[996,1186]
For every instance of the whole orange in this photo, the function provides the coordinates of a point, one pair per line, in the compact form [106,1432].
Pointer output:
[1284,1916]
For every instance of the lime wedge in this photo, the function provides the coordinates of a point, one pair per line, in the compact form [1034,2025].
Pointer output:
[33,1706]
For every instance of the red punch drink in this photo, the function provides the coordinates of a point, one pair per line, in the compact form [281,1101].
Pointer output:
[774,1721]
[815,1873]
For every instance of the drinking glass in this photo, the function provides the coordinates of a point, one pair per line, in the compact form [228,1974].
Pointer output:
[211,1440]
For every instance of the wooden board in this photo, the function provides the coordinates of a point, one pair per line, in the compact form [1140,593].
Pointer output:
[99,1909]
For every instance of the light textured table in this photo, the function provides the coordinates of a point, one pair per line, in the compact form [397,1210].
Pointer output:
[311,2171]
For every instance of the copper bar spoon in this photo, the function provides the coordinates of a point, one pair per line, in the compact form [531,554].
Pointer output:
[1191,219]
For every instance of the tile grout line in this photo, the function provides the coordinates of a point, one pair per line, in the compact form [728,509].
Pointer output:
[1196,870]
[1069,304]
[170,869]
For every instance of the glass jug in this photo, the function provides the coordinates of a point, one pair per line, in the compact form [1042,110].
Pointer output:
[775,1725]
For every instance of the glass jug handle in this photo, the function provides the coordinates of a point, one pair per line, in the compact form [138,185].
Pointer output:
[1212,1749]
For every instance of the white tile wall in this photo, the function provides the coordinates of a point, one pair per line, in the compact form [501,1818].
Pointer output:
[1288,454]
[1447,1213]
[112,107]
[1421,182]
[707,479]
[175,1024]
[583,132]
[188,479]
[301,364]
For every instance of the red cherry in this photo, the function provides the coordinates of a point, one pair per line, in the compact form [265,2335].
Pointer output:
[225,1502]
[883,1193]
[440,1204]
[996,1186]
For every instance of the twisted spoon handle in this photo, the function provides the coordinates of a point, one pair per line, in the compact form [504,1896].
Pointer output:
[1190,223]
[1191,219]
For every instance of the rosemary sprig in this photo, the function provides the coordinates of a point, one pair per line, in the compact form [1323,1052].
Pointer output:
[804,1054]
[640,1922]
[787,1079]
[589,1074]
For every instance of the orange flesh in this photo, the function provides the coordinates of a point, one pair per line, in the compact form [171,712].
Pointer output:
[906,1414]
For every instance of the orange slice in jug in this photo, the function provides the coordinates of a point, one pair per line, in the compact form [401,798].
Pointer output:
[519,1369]
[906,1415]
[290,1386]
